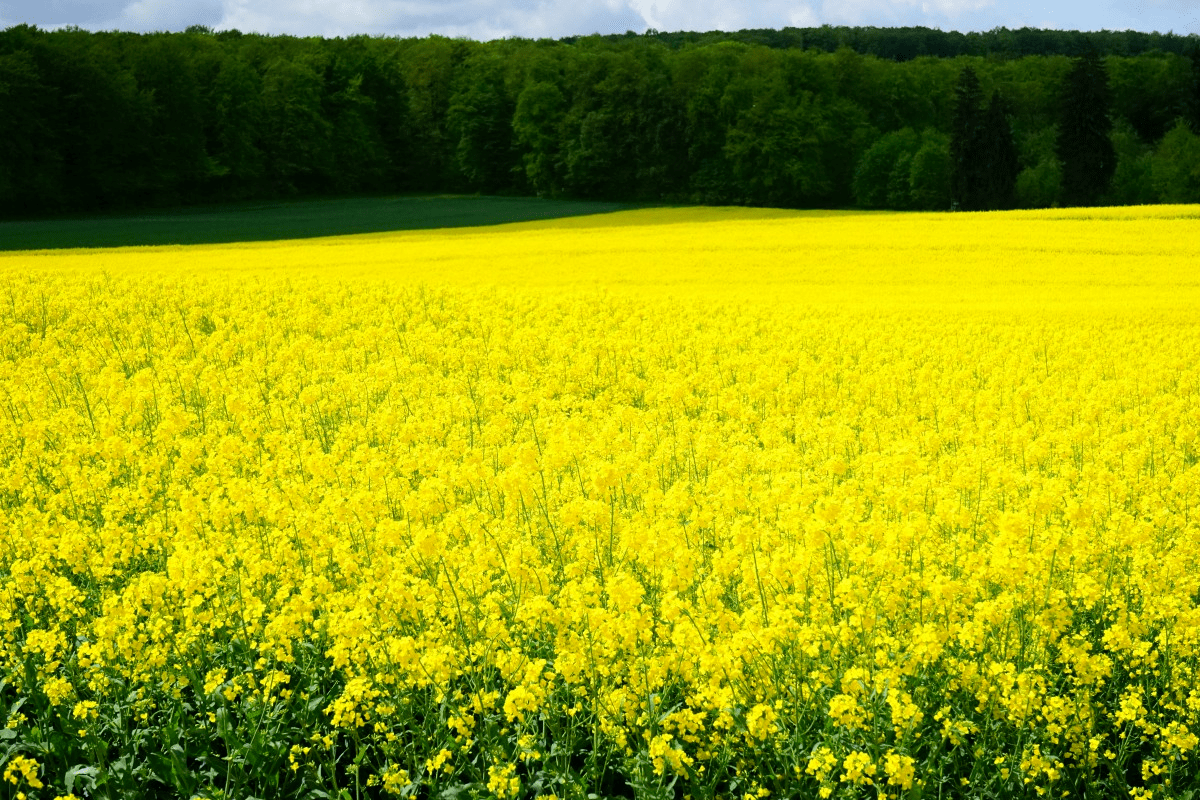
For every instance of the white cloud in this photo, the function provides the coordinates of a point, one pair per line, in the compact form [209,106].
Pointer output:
[954,8]
[802,16]
[480,19]
[868,12]
[490,19]
[697,15]
[167,15]
[707,15]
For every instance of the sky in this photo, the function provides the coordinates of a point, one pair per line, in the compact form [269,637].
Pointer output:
[492,19]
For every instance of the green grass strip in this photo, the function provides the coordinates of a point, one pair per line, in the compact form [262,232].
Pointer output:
[297,219]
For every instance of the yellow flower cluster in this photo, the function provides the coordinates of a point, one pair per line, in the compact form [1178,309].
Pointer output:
[807,499]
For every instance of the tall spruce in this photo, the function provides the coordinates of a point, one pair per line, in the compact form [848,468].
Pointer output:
[1084,143]
[999,155]
[966,139]
[1191,111]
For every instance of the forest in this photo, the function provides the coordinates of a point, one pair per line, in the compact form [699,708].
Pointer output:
[808,118]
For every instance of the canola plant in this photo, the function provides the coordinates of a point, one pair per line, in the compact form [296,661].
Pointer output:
[676,503]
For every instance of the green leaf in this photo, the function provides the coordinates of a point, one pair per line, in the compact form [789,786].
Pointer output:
[88,774]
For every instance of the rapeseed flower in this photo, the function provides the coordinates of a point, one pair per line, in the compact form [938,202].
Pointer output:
[870,502]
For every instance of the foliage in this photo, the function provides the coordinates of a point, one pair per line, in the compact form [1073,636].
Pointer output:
[929,178]
[883,179]
[1191,105]
[984,163]
[1039,183]
[1175,167]
[967,172]
[1085,145]
[1040,186]
[1149,93]
[1132,182]
[665,503]
[907,43]
[105,121]
[998,152]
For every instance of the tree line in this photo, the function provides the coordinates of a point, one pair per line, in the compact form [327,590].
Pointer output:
[94,121]
[902,44]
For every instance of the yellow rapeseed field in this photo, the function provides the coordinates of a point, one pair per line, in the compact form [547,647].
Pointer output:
[675,503]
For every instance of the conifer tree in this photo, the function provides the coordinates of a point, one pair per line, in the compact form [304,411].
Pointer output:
[999,153]
[1191,111]
[1084,143]
[966,173]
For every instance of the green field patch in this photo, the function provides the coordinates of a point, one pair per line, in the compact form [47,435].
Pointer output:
[298,219]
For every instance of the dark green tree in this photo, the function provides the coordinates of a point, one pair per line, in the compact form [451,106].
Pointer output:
[358,157]
[429,66]
[1039,184]
[702,79]
[1132,182]
[661,152]
[536,122]
[30,172]
[480,118]
[175,153]
[999,154]
[601,132]
[102,119]
[904,170]
[967,165]
[296,145]
[383,83]
[1175,166]
[884,175]
[235,122]
[1149,92]
[775,152]
[930,175]
[1191,109]
[1084,136]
